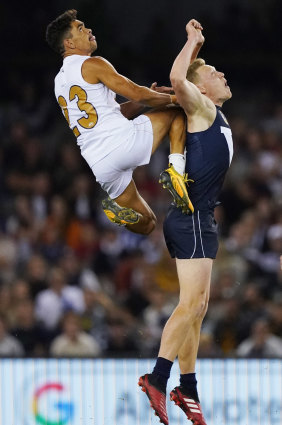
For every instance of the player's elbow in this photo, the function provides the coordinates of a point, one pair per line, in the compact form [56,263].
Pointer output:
[176,81]
[141,95]
[138,98]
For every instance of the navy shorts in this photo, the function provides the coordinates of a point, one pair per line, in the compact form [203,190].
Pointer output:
[191,236]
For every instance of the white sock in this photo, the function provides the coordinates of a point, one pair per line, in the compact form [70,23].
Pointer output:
[178,162]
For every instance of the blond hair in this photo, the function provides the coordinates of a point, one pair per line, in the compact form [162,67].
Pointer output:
[192,74]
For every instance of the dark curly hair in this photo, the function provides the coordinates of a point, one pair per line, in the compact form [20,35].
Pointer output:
[59,29]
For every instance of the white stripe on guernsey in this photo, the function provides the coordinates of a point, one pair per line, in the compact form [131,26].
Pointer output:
[195,243]
[199,222]
[195,410]
[228,136]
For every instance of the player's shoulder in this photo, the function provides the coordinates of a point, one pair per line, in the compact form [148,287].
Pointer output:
[97,61]
[95,68]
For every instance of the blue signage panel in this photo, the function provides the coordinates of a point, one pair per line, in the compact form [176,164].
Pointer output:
[105,392]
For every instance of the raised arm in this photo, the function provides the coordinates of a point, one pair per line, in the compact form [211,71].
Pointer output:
[188,95]
[95,70]
[197,49]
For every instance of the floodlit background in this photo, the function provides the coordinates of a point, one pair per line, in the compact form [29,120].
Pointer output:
[118,289]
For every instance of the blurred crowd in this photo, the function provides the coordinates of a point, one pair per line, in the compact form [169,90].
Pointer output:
[73,284]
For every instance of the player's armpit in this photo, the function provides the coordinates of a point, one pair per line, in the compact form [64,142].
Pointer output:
[188,96]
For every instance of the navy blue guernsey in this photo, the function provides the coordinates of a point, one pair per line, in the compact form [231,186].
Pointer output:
[209,154]
[208,157]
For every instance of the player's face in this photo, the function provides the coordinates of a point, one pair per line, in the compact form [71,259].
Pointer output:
[214,83]
[82,37]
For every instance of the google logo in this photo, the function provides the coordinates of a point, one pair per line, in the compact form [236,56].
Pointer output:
[65,409]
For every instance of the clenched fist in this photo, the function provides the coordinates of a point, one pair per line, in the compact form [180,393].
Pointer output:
[194,30]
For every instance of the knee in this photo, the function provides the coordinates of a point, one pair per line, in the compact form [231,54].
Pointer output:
[200,310]
[149,226]
[195,309]
[145,226]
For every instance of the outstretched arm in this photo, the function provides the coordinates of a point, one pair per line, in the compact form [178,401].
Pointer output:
[95,70]
[188,95]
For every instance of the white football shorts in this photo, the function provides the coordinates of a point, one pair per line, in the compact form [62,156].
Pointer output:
[114,172]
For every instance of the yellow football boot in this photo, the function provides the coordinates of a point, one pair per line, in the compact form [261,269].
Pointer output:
[120,215]
[176,184]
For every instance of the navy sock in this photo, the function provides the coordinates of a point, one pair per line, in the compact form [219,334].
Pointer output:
[162,371]
[189,382]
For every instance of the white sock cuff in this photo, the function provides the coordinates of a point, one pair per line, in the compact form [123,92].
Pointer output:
[178,162]
[176,156]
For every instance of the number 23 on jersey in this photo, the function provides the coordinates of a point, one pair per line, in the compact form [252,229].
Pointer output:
[90,120]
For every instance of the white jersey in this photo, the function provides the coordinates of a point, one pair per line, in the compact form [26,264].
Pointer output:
[91,111]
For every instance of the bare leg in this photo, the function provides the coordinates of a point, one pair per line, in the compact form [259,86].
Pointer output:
[194,280]
[167,120]
[131,198]
[172,121]
[177,134]
[187,354]
[181,336]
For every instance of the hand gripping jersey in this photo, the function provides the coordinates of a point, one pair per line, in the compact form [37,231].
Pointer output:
[209,154]
[91,111]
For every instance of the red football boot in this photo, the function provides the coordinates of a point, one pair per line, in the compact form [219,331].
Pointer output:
[190,407]
[156,396]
